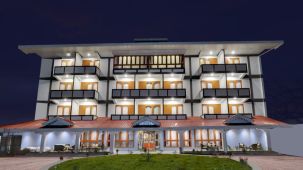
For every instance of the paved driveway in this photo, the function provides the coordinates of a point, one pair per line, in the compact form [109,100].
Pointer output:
[27,163]
[275,162]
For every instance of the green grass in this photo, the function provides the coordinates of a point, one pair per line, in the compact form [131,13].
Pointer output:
[157,162]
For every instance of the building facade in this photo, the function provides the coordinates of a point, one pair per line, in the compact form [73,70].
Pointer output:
[157,96]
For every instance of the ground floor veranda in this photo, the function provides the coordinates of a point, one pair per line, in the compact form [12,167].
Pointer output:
[142,139]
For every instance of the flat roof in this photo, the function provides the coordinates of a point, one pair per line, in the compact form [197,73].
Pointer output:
[142,48]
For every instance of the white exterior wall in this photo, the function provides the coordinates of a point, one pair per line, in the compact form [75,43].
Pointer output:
[46,68]
[52,109]
[63,137]
[247,107]
[187,109]
[102,90]
[101,110]
[186,85]
[78,60]
[41,111]
[31,140]
[221,58]
[186,65]
[245,83]
[43,90]
[260,108]
[111,109]
[243,60]
[222,81]
[257,84]
[195,65]
[246,137]
[196,89]
[224,108]
[104,66]
[197,109]
[255,65]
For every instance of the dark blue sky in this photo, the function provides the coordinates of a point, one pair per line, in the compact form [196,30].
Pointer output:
[58,22]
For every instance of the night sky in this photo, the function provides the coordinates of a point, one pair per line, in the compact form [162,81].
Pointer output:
[40,22]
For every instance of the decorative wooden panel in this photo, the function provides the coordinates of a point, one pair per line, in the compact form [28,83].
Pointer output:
[82,109]
[143,84]
[211,60]
[131,84]
[215,83]
[84,85]
[168,83]
[235,83]
[232,60]
[237,107]
[168,108]
[131,109]
[141,108]
[217,108]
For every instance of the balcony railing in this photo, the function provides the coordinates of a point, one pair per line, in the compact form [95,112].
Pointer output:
[226,93]
[224,68]
[74,94]
[148,70]
[145,93]
[224,115]
[155,117]
[77,70]
[74,117]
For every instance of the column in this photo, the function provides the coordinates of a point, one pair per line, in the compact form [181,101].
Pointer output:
[136,138]
[43,135]
[192,138]
[112,142]
[267,131]
[161,138]
[77,142]
[105,139]
[181,139]
[224,139]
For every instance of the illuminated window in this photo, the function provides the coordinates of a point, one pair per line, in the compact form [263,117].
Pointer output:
[124,139]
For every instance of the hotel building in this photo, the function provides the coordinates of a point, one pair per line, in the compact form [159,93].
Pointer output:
[160,96]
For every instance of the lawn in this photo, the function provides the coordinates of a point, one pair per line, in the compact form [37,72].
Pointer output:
[157,162]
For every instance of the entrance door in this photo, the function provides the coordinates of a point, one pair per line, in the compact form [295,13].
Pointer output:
[147,140]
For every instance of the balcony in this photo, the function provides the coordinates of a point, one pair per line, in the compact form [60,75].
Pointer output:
[224,68]
[148,70]
[155,117]
[74,94]
[226,93]
[77,70]
[74,117]
[224,116]
[145,93]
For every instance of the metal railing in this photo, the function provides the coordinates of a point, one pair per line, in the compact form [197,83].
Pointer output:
[77,70]
[74,117]
[226,93]
[145,93]
[224,68]
[74,94]
[224,115]
[155,117]
[180,70]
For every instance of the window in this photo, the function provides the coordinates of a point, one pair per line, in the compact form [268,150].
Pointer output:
[148,109]
[67,62]
[210,84]
[232,60]
[89,86]
[209,60]
[208,137]
[236,108]
[125,85]
[66,86]
[93,138]
[187,138]
[124,109]
[234,84]
[63,110]
[211,108]
[124,139]
[90,62]
[171,138]
[173,109]
[87,110]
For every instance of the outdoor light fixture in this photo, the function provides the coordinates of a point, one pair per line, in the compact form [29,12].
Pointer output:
[66,76]
[149,75]
[171,75]
[233,52]
[211,52]
[148,99]
[68,54]
[88,54]
[125,75]
[124,99]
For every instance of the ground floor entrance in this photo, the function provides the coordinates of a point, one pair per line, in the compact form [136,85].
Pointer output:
[148,140]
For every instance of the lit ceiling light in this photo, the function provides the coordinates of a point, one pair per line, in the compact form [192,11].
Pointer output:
[172,98]
[86,76]
[233,52]
[125,75]
[232,74]
[149,75]
[65,100]
[124,99]
[211,52]
[88,54]
[148,99]
[171,75]
[213,98]
[68,54]
[235,98]
[85,100]
[66,76]
[212,74]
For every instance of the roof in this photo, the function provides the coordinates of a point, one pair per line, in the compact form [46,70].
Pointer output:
[238,119]
[57,122]
[153,48]
[106,123]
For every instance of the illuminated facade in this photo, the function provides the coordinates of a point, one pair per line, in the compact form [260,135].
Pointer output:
[160,96]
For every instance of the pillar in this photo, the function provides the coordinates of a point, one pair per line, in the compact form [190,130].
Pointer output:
[161,138]
[105,139]
[136,138]
[192,138]
[42,142]
[267,131]
[112,142]
[181,139]
[77,142]
[224,140]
